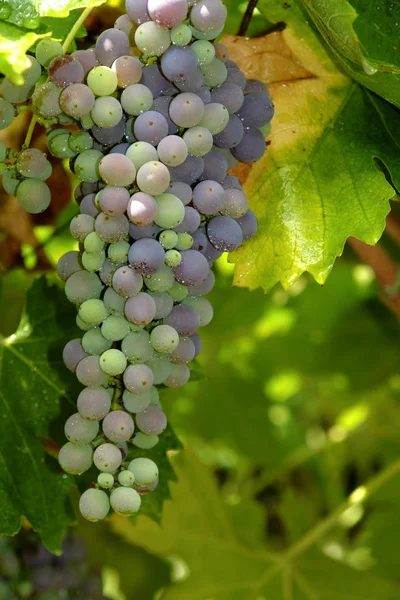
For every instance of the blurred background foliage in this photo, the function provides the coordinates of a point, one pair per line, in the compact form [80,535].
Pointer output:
[295,403]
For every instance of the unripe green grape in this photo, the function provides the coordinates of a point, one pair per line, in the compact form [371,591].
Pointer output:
[206,35]
[93,312]
[33,163]
[126,478]
[170,211]
[80,141]
[46,50]
[181,35]
[93,261]
[155,396]
[115,328]
[136,99]
[178,292]
[46,100]
[80,431]
[102,81]
[215,73]
[118,252]
[10,182]
[106,112]
[113,302]
[164,339]
[75,459]
[86,122]
[86,165]
[16,94]
[204,51]
[135,403]
[93,243]
[144,470]
[137,347]
[203,307]
[93,342]
[33,195]
[168,239]
[199,141]
[7,113]
[105,480]
[152,39]
[185,241]
[113,362]
[173,258]
[81,286]
[59,145]
[160,367]
[83,326]
[145,442]
[94,505]
[141,153]
[125,501]
[161,281]
[107,458]
[215,118]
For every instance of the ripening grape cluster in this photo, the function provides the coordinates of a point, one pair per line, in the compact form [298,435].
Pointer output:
[162,114]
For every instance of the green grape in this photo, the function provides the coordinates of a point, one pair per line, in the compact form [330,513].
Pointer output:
[80,431]
[160,281]
[93,342]
[144,470]
[136,403]
[83,326]
[33,163]
[105,480]
[118,252]
[107,458]
[152,39]
[136,99]
[93,261]
[33,72]
[3,151]
[126,478]
[178,292]
[206,35]
[46,100]
[93,311]
[87,122]
[16,94]
[86,165]
[75,459]
[204,51]
[53,132]
[168,239]
[80,141]
[46,50]
[136,347]
[170,211]
[82,286]
[173,258]
[103,81]
[106,112]
[59,146]
[181,35]
[65,119]
[93,243]
[7,113]
[113,362]
[125,501]
[10,182]
[215,118]
[203,307]
[141,153]
[33,195]
[215,73]
[144,441]
[164,339]
[94,505]
[113,302]
[185,241]
[115,328]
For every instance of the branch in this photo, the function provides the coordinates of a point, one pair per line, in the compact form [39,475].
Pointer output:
[247,17]
[393,227]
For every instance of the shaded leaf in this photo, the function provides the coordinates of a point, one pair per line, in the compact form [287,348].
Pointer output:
[14,42]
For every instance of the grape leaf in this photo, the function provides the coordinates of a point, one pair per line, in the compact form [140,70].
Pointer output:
[22,10]
[197,535]
[317,183]
[14,42]
[363,37]
[33,393]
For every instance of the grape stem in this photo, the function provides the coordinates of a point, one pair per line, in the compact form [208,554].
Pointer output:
[71,36]
[29,133]
[247,17]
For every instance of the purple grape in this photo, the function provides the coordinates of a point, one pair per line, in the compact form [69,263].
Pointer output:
[167,13]
[185,319]
[230,95]
[254,86]
[156,82]
[113,200]
[205,95]
[142,209]
[140,309]
[87,58]
[146,256]
[191,221]
[137,11]
[179,64]
[108,136]
[189,171]
[251,148]
[64,70]
[88,206]
[151,421]
[257,110]
[192,84]
[215,166]
[184,353]
[232,135]
[208,197]
[232,182]
[68,264]
[110,45]
[197,343]
[248,224]
[200,241]
[182,190]
[138,232]
[73,353]
[126,282]
[151,127]
[204,288]
[161,105]
[224,234]
[193,269]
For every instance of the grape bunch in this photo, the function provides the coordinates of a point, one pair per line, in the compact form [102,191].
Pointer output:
[161,115]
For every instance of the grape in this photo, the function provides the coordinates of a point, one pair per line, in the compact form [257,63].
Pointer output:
[59,145]
[161,105]
[215,73]
[128,70]
[232,135]
[82,189]
[170,211]
[126,478]
[68,264]
[193,269]
[136,99]
[7,113]
[185,241]
[203,288]
[75,459]
[105,480]
[160,367]
[184,352]
[138,232]
[221,52]
[93,342]
[81,226]
[208,15]
[197,343]
[120,148]
[46,50]
[137,347]
[140,309]
[80,431]
[215,117]
[113,200]
[172,150]
[77,100]
[204,51]
[110,45]
[150,127]
[118,426]
[138,378]
[200,241]
[248,224]
[235,75]
[156,82]
[161,281]
[118,252]
[164,339]
[254,86]
[80,141]
[257,110]
[251,148]
[33,195]
[125,501]
[152,39]
[215,166]
[86,165]
[114,303]
[230,95]
[232,182]
[46,99]
[137,11]
[164,304]
[236,204]
[145,442]
[102,81]
[182,190]
[107,458]
[93,312]
[73,353]
[173,258]
[106,112]
[178,292]
[191,221]
[144,470]
[185,319]
[146,256]
[180,374]
[94,505]
[186,110]
[153,178]
[113,361]
[189,171]
[16,94]
[65,70]
[181,35]
[168,239]
[94,403]
[81,286]
[89,373]
[33,163]
[142,209]
[87,58]
[179,64]
[224,234]
[10,183]
[140,153]
[111,229]
[110,135]
[167,13]
[199,141]
[107,271]
[93,261]
[151,421]
[136,403]
[126,282]
[203,307]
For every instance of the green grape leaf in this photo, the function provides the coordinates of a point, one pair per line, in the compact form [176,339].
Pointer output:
[363,38]
[34,391]
[321,178]
[31,10]
[60,28]
[211,559]
[14,42]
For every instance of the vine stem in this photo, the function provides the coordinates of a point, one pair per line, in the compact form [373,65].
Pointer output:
[71,36]
[29,133]
[247,17]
